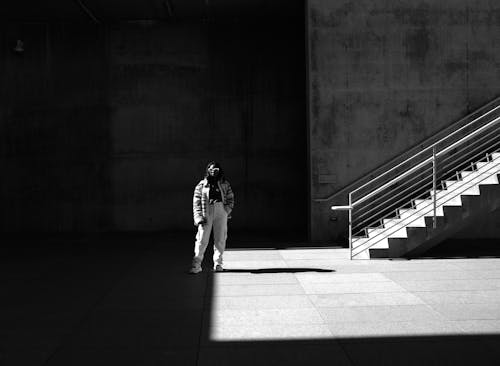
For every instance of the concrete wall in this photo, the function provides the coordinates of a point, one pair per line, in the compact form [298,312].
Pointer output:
[54,129]
[385,75]
[109,128]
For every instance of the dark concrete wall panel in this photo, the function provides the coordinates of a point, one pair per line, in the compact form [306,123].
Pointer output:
[109,128]
[54,129]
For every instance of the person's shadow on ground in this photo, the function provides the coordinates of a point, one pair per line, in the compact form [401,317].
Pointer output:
[277,270]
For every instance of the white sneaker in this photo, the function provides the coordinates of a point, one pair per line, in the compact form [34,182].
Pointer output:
[195,269]
[218,268]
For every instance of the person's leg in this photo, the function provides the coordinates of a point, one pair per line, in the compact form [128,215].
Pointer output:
[220,233]
[202,238]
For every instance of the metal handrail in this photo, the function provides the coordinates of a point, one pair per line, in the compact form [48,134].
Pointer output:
[386,194]
[477,155]
[471,148]
[419,145]
[426,206]
[408,172]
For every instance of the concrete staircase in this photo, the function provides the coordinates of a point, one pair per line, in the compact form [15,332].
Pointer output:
[474,192]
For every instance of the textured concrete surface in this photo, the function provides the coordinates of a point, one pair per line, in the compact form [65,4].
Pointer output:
[111,300]
[383,76]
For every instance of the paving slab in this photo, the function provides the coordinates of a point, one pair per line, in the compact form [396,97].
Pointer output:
[313,255]
[329,264]
[244,317]
[386,313]
[459,297]
[380,329]
[335,277]
[417,351]
[22,356]
[479,326]
[479,264]
[365,299]
[267,289]
[254,264]
[449,285]
[38,329]
[385,265]
[486,273]
[261,302]
[232,255]
[137,330]
[228,278]
[150,301]
[290,353]
[433,275]
[357,287]
[266,332]
[468,311]
[84,356]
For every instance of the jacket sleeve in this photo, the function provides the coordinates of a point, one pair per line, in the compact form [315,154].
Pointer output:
[229,197]
[197,207]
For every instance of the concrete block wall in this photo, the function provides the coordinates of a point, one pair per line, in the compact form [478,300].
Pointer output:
[383,76]
[109,128]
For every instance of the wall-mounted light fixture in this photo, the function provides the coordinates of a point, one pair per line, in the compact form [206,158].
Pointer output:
[19,48]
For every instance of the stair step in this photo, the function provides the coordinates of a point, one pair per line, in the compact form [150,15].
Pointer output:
[361,255]
[357,241]
[482,164]
[421,203]
[413,221]
[453,185]
[486,178]
[393,222]
[451,198]
[361,246]
[419,222]
[371,230]
[398,230]
[427,205]
[406,214]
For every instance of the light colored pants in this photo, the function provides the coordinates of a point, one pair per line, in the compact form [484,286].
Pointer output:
[216,219]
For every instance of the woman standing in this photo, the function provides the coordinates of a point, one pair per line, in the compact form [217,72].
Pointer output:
[213,201]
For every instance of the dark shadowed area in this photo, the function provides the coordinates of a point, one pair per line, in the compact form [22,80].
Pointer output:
[109,126]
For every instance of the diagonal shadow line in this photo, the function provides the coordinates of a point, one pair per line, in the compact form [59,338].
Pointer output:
[456,349]
[352,350]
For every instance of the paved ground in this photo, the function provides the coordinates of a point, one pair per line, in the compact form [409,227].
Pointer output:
[129,302]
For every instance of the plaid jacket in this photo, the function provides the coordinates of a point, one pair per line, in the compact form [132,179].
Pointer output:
[200,199]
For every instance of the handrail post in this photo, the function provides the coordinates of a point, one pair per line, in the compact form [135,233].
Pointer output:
[434,169]
[348,208]
[350,226]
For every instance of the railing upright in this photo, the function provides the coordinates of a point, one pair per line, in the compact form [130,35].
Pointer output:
[434,188]
[350,224]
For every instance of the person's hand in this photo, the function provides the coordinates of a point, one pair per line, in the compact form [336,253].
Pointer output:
[202,222]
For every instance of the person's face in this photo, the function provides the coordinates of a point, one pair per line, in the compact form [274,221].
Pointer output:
[213,171]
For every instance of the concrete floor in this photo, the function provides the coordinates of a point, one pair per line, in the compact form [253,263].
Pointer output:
[128,301]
